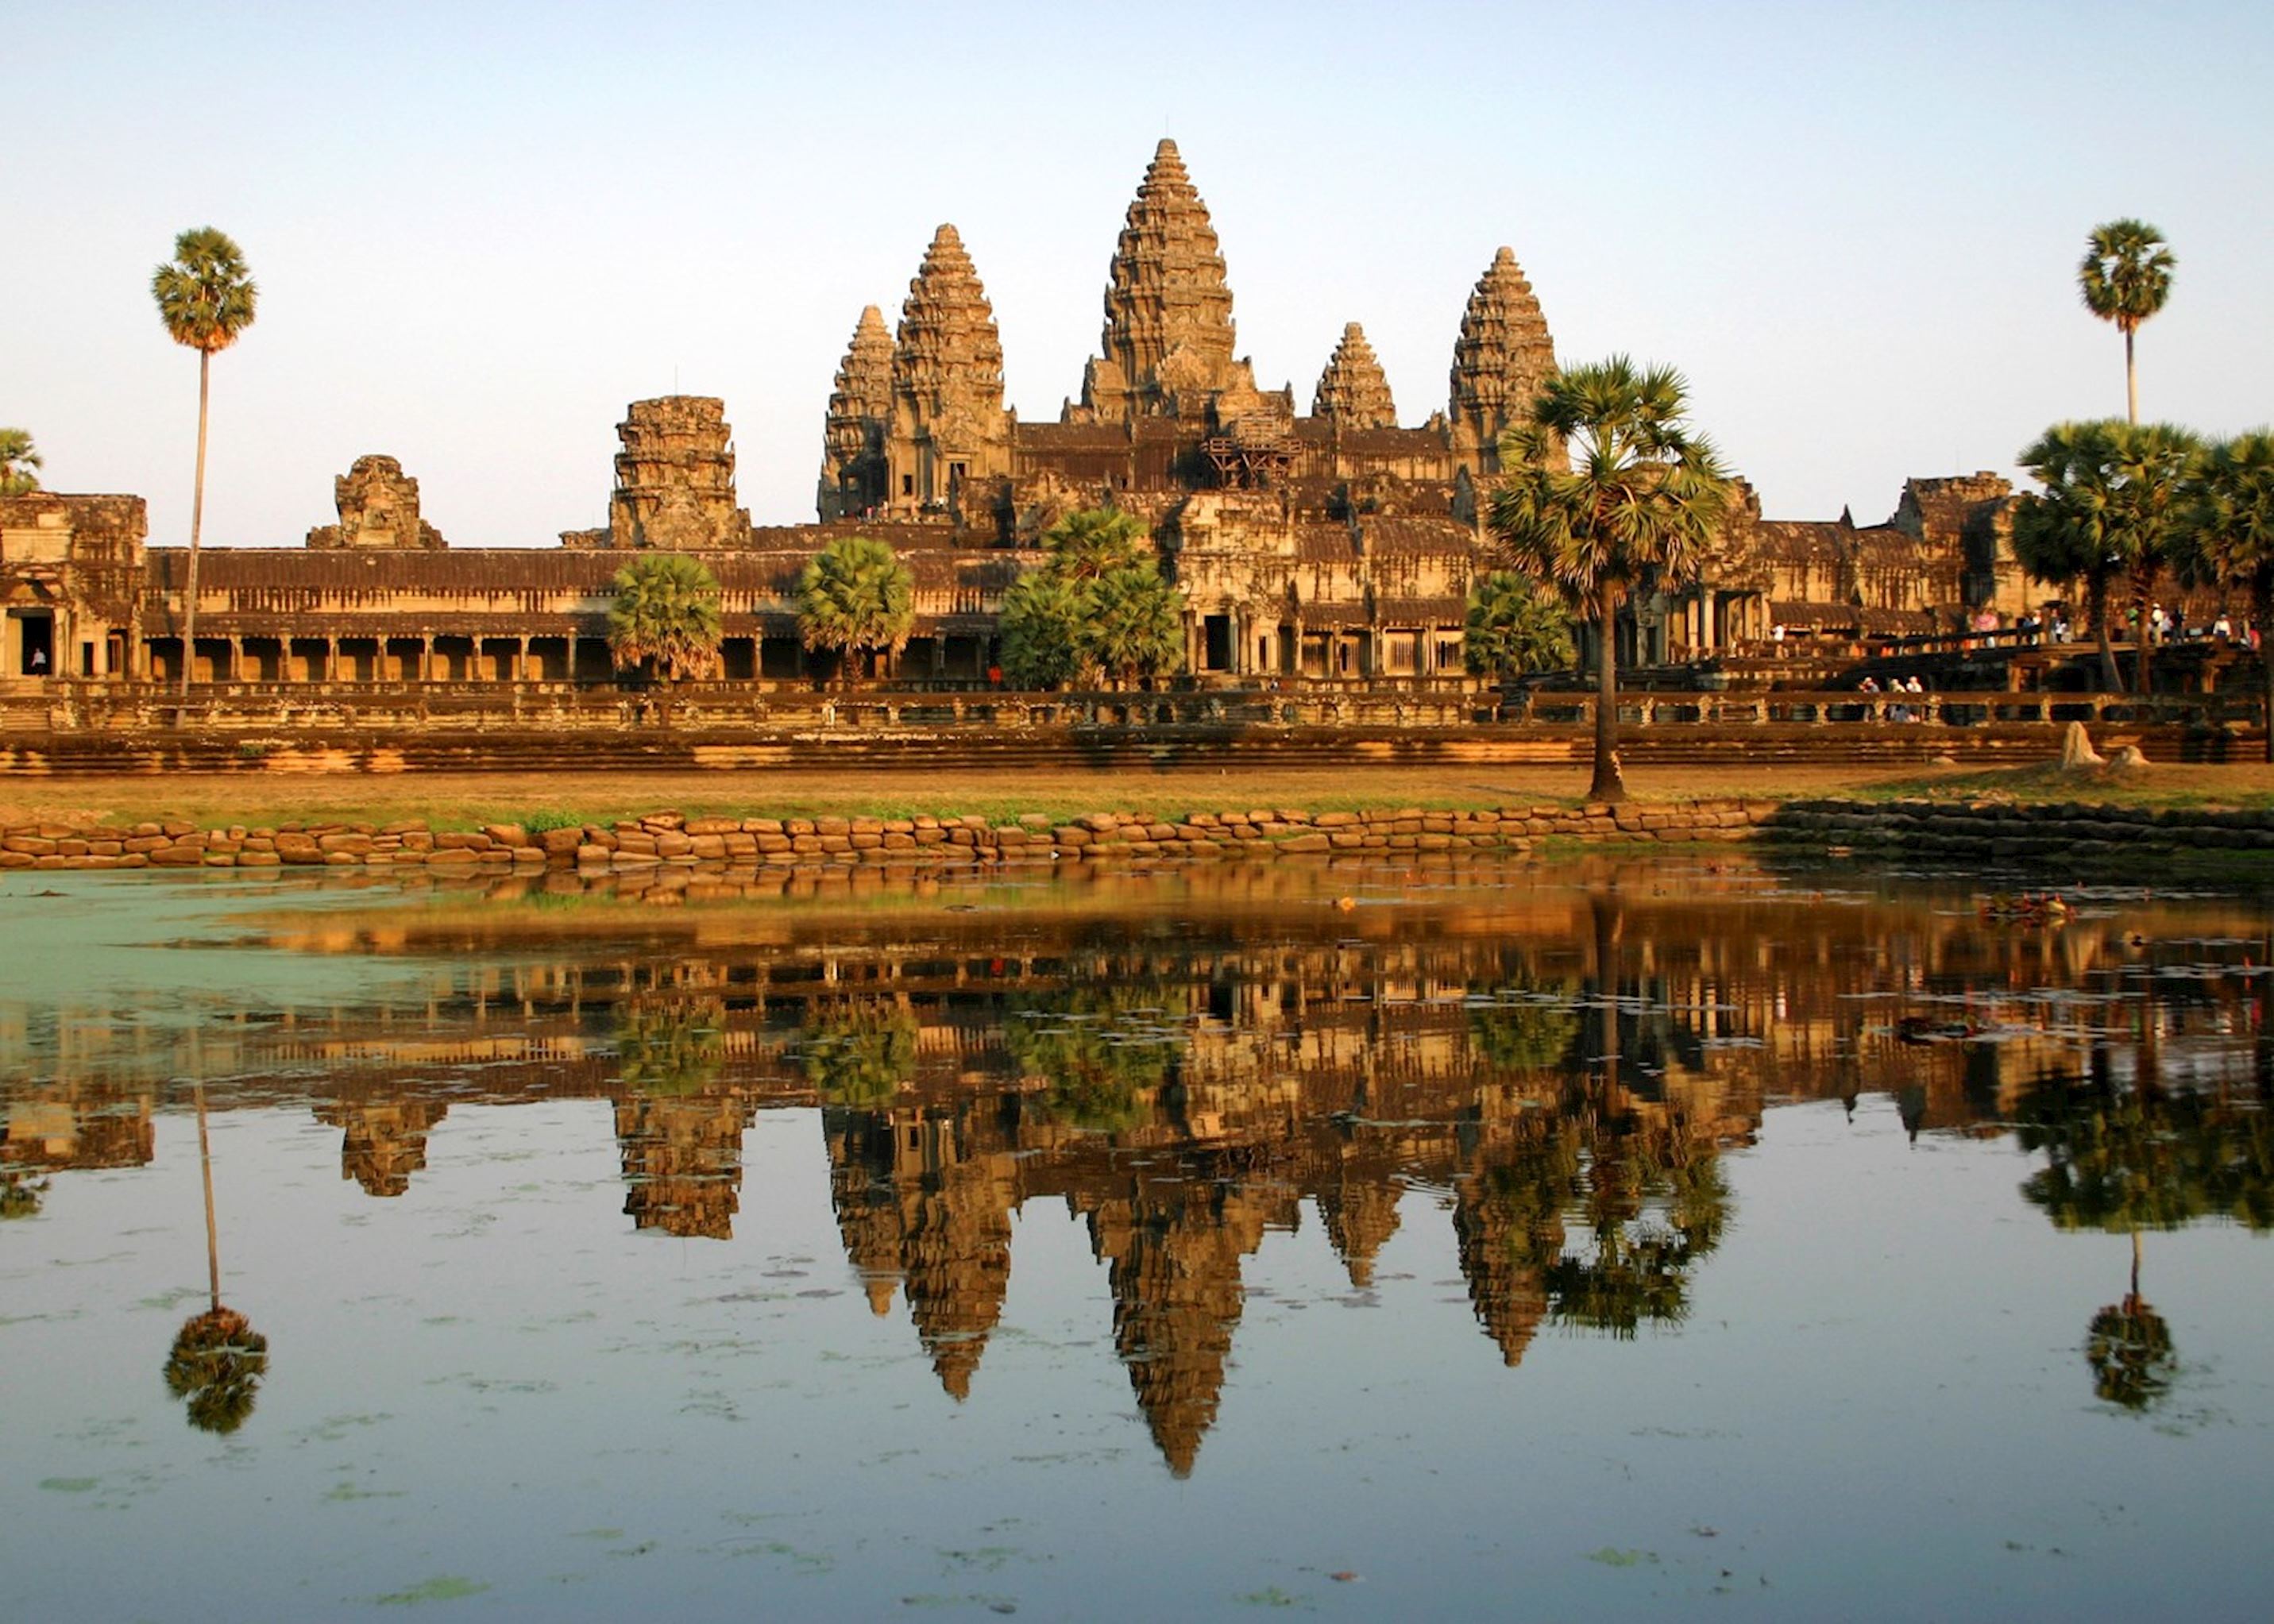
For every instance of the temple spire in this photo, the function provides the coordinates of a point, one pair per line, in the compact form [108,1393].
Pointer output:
[859,414]
[950,433]
[1353,390]
[1168,311]
[1503,357]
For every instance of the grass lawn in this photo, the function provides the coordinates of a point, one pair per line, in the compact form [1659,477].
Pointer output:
[465,799]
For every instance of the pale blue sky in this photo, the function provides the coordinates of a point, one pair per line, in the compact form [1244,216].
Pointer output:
[481,229]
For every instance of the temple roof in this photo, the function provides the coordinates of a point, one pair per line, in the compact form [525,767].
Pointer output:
[863,394]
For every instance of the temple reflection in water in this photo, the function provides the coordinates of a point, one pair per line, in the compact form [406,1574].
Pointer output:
[1553,1064]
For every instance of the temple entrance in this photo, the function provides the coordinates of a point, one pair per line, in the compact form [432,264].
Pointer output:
[1216,642]
[36,646]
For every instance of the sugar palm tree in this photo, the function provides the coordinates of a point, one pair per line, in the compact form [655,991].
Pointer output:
[1136,623]
[17,459]
[1640,502]
[206,297]
[1042,625]
[2109,511]
[2226,534]
[856,595]
[667,610]
[1091,541]
[1515,625]
[2125,277]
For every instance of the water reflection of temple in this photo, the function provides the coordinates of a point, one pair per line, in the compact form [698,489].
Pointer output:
[1553,1067]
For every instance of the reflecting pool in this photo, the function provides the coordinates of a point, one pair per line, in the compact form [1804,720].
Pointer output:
[1572,1241]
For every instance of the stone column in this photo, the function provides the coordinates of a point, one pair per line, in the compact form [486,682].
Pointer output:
[236,659]
[426,658]
[520,660]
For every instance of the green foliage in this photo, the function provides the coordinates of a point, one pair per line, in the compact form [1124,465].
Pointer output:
[857,597]
[2226,521]
[859,1055]
[205,294]
[1515,625]
[1042,624]
[2125,1159]
[18,458]
[216,1362]
[21,1194]
[2129,1348]
[673,1049]
[1105,1051]
[1136,627]
[1099,605]
[1094,542]
[1531,1035]
[666,610]
[2111,508]
[2125,275]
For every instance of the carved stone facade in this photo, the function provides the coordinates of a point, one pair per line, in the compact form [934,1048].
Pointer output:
[855,473]
[674,480]
[378,508]
[1502,358]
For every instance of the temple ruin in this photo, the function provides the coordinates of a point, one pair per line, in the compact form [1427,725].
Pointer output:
[1338,547]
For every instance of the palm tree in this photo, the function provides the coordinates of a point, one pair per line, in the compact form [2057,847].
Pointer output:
[206,297]
[1136,623]
[18,458]
[1091,541]
[860,1055]
[855,594]
[1639,504]
[2111,508]
[2226,534]
[1042,624]
[667,610]
[1515,625]
[2125,277]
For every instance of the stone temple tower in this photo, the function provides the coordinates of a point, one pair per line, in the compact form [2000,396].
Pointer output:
[1502,358]
[1353,390]
[1168,345]
[948,424]
[853,458]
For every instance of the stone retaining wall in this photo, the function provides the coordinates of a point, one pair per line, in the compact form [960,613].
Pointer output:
[1992,831]
[2001,831]
[667,838]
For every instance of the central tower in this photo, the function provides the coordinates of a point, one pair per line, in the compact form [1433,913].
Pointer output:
[1167,349]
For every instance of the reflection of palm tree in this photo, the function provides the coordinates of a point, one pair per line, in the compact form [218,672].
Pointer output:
[217,1359]
[2129,1348]
[672,1051]
[21,1194]
[1105,1052]
[860,1055]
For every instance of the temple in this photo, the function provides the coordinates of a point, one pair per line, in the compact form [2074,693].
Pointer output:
[1337,547]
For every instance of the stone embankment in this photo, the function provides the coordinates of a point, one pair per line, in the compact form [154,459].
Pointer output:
[667,838]
[1994,831]
[2007,831]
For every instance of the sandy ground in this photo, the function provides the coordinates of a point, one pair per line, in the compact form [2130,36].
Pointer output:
[466,799]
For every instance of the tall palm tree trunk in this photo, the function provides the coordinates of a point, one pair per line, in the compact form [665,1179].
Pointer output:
[197,525]
[2097,589]
[1608,784]
[2261,604]
[2131,381]
[2142,639]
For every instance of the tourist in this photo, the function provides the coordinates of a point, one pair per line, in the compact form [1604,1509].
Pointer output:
[38,663]
[2222,628]
[2157,623]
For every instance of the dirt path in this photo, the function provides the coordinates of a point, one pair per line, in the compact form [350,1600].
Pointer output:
[464,799]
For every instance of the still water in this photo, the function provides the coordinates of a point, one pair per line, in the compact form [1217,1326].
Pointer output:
[1586,1241]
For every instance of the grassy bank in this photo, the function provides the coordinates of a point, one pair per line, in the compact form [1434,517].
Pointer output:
[538,801]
